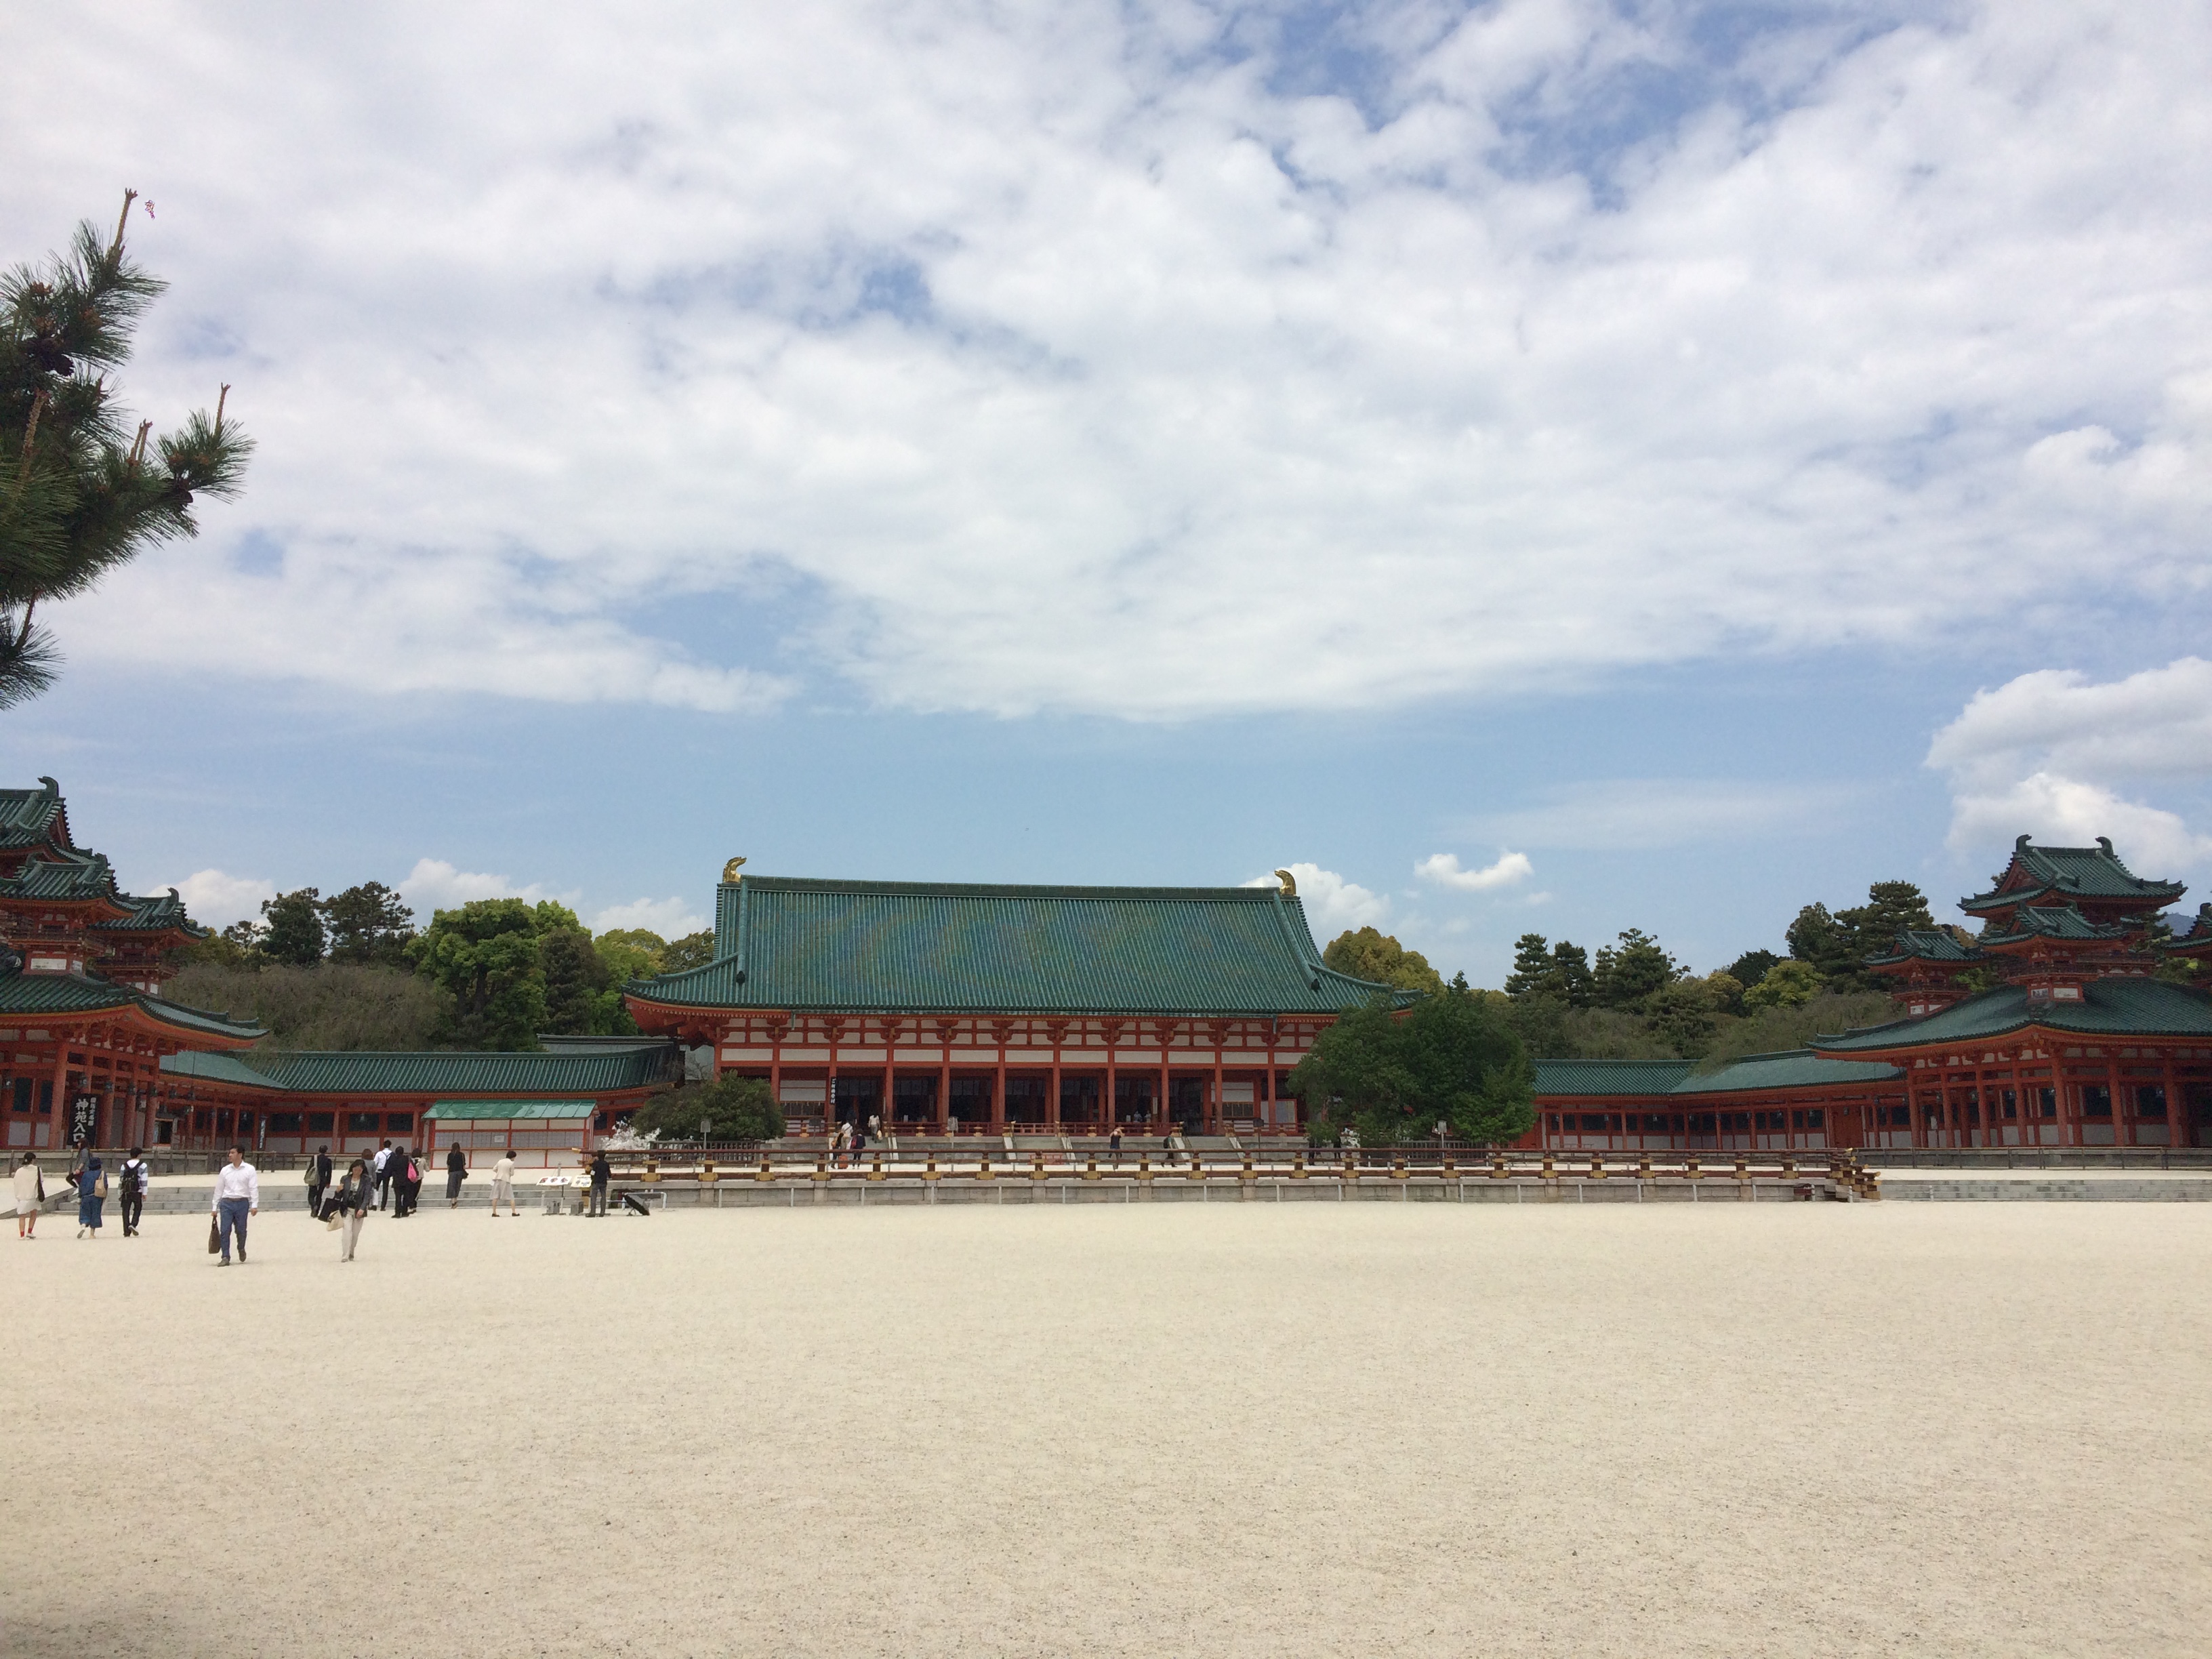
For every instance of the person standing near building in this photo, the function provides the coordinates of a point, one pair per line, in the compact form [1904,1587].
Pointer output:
[351,1206]
[237,1196]
[91,1198]
[457,1171]
[318,1180]
[502,1186]
[407,1177]
[1114,1146]
[602,1172]
[30,1193]
[135,1177]
[380,1172]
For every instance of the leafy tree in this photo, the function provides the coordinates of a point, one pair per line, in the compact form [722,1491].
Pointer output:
[1838,944]
[485,956]
[1790,984]
[1561,972]
[692,950]
[1827,946]
[80,491]
[368,923]
[631,953]
[1685,1015]
[1379,959]
[1727,991]
[1453,1058]
[581,998]
[1772,1031]
[1631,971]
[333,1005]
[294,932]
[738,1109]
[1751,966]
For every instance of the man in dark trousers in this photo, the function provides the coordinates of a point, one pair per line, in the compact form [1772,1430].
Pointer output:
[380,1172]
[602,1172]
[318,1180]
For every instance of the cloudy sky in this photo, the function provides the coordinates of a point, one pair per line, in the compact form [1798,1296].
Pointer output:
[1543,464]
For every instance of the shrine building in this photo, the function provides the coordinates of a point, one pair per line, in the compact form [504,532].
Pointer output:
[1001,1010]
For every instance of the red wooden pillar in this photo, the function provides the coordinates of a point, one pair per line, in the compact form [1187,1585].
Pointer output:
[1220,1117]
[829,1083]
[944,1028]
[1051,1101]
[1165,1112]
[893,1030]
[1000,1031]
[1111,1109]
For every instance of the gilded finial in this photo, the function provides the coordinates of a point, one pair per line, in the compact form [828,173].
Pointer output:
[729,871]
[1290,883]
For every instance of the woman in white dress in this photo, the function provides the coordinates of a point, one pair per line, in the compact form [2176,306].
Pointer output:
[30,1192]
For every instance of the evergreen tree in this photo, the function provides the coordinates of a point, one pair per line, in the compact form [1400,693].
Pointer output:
[1452,1058]
[368,924]
[1826,945]
[81,492]
[581,998]
[1560,972]
[295,933]
[1632,969]
[1751,966]
[485,955]
[692,950]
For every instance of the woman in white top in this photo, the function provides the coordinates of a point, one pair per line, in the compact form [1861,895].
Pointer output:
[502,1186]
[30,1192]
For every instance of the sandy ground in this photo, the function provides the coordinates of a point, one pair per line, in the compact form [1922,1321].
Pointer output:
[1229,1430]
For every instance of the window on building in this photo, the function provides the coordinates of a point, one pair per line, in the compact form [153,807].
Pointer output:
[1735,1123]
[362,1123]
[21,1091]
[283,1123]
[2096,1100]
[399,1123]
[1932,1116]
[321,1123]
[2151,1100]
[1894,1117]
[1597,1123]
[2011,1101]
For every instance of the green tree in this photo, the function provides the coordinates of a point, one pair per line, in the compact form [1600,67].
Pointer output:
[81,490]
[1379,959]
[581,998]
[1685,1015]
[692,950]
[485,956]
[1790,984]
[737,1109]
[1453,1057]
[631,953]
[368,924]
[1828,946]
[332,1006]
[1560,972]
[294,932]
[1751,966]
[1632,969]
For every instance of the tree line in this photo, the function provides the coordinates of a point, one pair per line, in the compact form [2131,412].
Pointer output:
[352,971]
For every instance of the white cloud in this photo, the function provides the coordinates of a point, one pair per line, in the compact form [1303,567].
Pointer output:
[216,898]
[1016,357]
[433,884]
[1332,903]
[1443,868]
[1614,814]
[671,918]
[2040,754]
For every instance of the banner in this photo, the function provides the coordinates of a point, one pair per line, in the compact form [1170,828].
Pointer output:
[84,1120]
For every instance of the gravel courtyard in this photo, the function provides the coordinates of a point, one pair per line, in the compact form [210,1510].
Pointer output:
[1940,1429]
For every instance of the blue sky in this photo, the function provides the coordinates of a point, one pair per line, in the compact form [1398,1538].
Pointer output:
[1538,465]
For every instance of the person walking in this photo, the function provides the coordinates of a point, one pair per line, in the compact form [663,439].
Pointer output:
[457,1171]
[135,1177]
[408,1177]
[502,1186]
[351,1206]
[30,1193]
[318,1180]
[1113,1147]
[91,1198]
[602,1172]
[237,1196]
[380,1172]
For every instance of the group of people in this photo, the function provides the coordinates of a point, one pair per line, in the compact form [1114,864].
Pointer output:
[90,1177]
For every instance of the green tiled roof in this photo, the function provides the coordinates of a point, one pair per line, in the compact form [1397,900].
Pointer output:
[1923,944]
[2109,1007]
[157,915]
[2063,922]
[482,1111]
[1795,1068]
[207,1068]
[880,946]
[79,876]
[2093,872]
[79,993]
[1609,1076]
[29,817]
[446,1072]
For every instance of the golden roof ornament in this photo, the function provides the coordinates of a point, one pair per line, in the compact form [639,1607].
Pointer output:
[730,871]
[1290,883]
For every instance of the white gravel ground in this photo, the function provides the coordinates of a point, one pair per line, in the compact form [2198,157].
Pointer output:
[1225,1429]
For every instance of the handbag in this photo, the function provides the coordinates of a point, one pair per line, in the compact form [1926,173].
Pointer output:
[214,1236]
[99,1187]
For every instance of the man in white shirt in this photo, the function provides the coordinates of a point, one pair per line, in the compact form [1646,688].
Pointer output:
[237,1195]
[502,1186]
